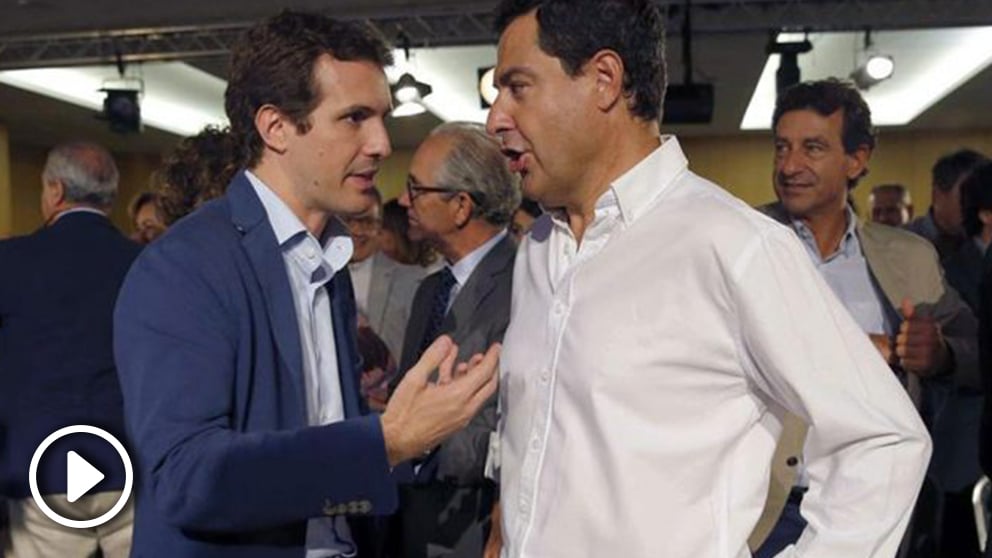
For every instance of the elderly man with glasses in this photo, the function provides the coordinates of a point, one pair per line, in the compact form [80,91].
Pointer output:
[460,196]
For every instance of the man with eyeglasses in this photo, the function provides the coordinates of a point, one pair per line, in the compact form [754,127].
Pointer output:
[384,288]
[460,196]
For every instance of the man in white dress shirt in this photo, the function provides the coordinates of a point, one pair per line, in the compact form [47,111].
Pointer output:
[660,328]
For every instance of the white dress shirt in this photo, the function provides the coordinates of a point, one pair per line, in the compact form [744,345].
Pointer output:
[644,374]
[310,264]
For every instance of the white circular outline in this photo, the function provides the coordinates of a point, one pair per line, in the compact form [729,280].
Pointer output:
[87,523]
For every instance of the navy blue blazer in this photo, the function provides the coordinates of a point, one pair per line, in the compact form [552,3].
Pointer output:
[57,292]
[210,364]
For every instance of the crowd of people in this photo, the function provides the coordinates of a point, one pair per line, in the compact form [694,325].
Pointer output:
[302,368]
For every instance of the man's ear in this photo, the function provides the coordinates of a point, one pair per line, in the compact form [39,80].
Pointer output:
[606,68]
[858,162]
[54,192]
[273,127]
[985,216]
[465,208]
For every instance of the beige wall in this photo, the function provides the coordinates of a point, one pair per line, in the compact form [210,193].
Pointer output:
[26,164]
[742,163]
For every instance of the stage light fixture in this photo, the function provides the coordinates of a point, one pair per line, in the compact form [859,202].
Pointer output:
[875,69]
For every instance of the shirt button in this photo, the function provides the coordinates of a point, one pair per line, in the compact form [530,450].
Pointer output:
[310,253]
[559,309]
[545,376]
[535,444]
[522,506]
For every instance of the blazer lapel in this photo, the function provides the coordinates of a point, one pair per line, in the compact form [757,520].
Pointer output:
[345,341]
[249,217]
[480,284]
[876,249]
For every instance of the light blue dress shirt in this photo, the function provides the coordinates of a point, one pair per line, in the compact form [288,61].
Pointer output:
[310,264]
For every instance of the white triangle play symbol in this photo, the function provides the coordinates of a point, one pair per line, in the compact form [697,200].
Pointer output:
[80,476]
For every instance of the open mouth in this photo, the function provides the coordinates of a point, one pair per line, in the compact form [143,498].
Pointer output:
[516,160]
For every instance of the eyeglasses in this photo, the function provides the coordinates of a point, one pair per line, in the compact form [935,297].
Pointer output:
[415,190]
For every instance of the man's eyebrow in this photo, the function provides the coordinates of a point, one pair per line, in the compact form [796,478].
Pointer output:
[504,78]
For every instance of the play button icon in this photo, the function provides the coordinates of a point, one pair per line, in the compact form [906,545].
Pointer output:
[81,476]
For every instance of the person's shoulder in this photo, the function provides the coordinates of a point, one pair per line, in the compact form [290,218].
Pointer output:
[724,213]
[897,238]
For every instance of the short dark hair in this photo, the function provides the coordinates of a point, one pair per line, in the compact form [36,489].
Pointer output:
[826,97]
[976,195]
[951,168]
[273,63]
[574,30]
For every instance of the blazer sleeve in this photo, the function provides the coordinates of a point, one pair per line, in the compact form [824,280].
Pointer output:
[959,327]
[182,353]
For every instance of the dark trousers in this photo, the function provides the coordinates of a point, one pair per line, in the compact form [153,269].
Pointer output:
[788,528]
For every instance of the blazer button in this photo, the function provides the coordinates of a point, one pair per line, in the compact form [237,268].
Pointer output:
[792,461]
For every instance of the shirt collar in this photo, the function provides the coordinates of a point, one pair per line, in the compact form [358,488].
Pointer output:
[463,269]
[335,241]
[849,245]
[635,191]
[92,210]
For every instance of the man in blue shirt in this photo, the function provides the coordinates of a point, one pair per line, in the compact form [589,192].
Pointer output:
[235,331]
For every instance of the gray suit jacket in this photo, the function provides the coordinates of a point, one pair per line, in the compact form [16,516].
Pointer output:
[904,266]
[449,502]
[391,292]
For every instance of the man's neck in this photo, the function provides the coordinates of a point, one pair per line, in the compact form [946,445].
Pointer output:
[463,242]
[828,230]
[280,183]
[624,148]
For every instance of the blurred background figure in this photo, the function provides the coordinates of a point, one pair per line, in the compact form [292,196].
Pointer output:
[523,218]
[963,268]
[147,222]
[890,204]
[397,242]
[57,293]
[198,170]
[378,368]
[384,288]
[941,225]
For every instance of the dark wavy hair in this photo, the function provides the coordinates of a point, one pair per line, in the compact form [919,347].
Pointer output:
[197,170]
[951,168]
[273,64]
[826,97]
[574,30]
[976,195]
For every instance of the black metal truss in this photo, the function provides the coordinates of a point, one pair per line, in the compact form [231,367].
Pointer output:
[471,23]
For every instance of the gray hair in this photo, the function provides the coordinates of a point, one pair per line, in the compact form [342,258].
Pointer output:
[87,172]
[476,165]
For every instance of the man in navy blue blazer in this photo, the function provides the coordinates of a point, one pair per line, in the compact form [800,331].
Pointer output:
[57,292]
[235,331]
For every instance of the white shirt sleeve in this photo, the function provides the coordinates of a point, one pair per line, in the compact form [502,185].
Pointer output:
[867,449]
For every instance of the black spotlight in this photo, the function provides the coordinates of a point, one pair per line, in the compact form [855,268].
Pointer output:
[121,110]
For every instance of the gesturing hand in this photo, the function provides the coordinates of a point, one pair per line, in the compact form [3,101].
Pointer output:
[421,413]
